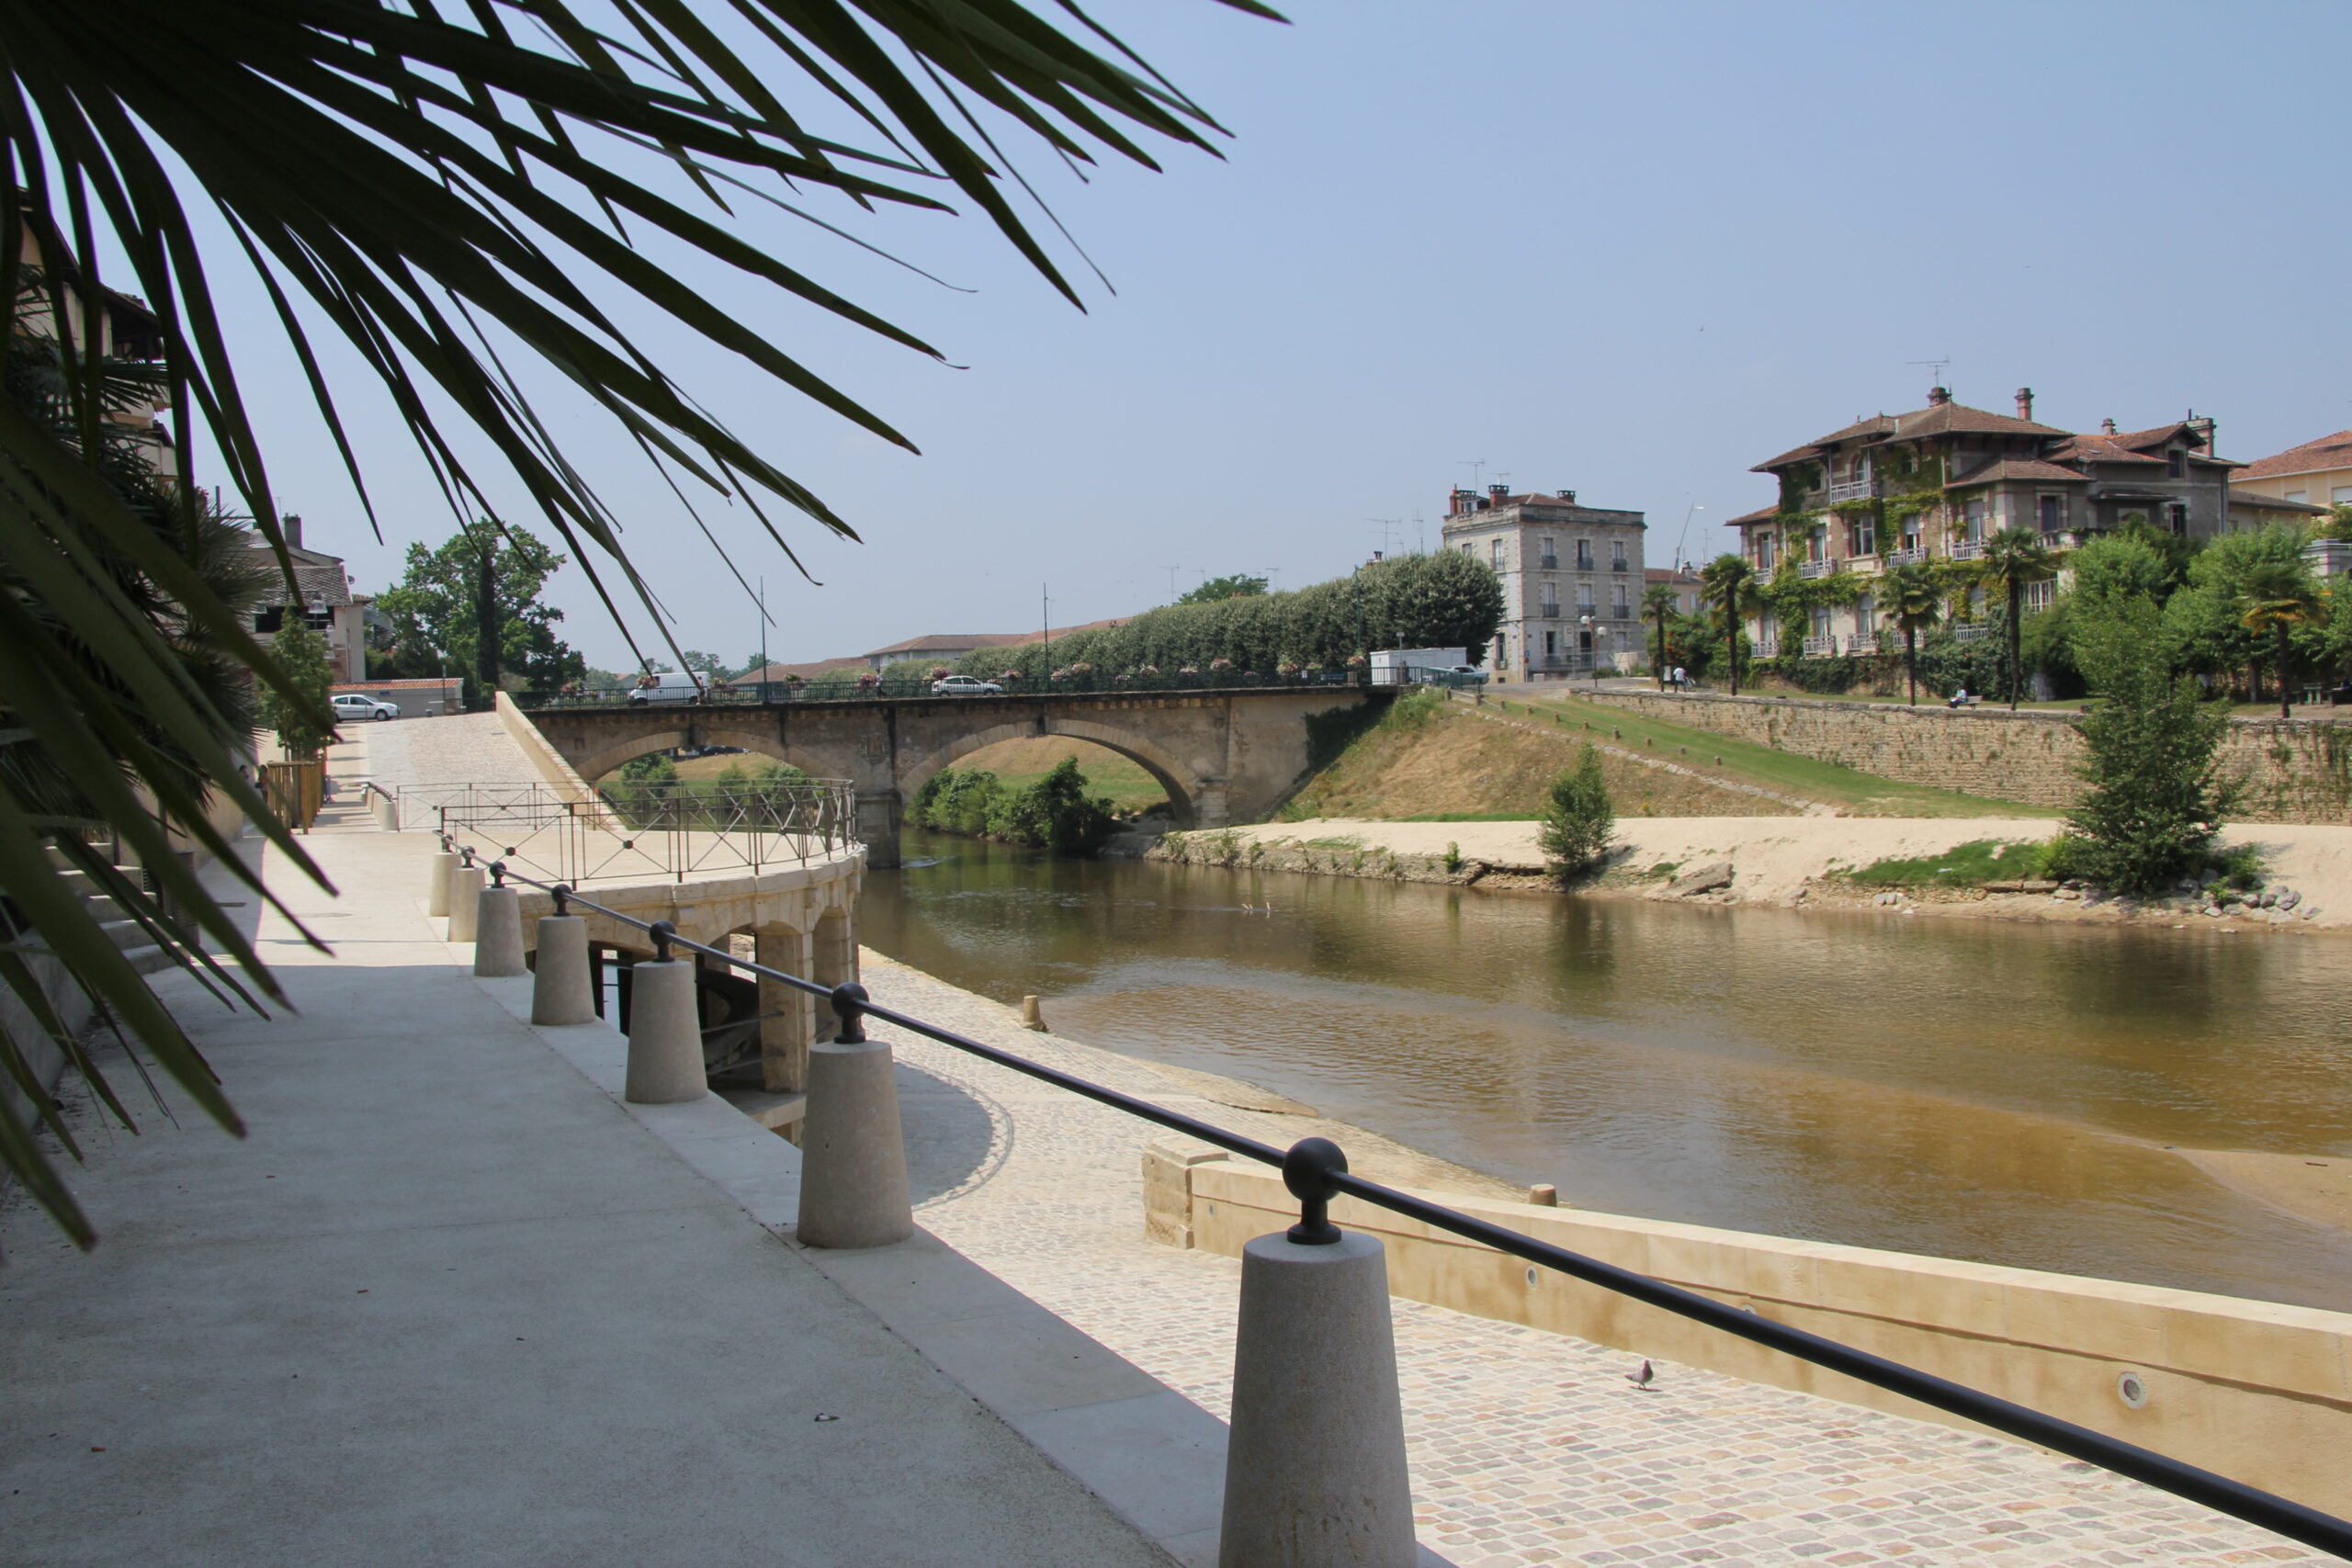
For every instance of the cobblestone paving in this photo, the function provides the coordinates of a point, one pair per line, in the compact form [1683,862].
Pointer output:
[1527,1448]
[467,748]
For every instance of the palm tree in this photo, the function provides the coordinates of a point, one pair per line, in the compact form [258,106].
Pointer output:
[1658,602]
[2013,558]
[2276,595]
[1911,602]
[1730,585]
[456,197]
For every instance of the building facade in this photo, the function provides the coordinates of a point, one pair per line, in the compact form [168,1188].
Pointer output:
[1934,483]
[2317,474]
[1572,580]
[322,598]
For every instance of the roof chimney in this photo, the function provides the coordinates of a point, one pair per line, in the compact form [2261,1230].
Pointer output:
[1569,495]
[2108,425]
[1939,396]
[291,526]
[2025,404]
[1497,494]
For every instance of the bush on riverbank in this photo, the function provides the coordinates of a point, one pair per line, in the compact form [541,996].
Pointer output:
[1579,819]
[1054,814]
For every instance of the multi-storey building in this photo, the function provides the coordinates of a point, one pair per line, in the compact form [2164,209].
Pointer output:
[1572,579]
[1931,485]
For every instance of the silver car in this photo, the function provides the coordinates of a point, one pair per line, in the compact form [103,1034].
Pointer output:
[358,705]
[964,686]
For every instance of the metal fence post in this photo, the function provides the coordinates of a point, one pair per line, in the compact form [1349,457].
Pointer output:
[563,991]
[666,1028]
[1315,1473]
[498,929]
[854,1151]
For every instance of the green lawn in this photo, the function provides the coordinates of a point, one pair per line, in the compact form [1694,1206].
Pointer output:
[1744,761]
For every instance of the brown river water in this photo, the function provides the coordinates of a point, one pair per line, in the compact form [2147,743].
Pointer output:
[2009,1093]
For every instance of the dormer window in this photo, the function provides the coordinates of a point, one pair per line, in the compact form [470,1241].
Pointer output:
[2176,464]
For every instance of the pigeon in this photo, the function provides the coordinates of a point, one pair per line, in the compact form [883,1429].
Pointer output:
[1643,1378]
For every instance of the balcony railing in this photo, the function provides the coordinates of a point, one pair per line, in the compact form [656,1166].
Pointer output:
[1967,631]
[1816,568]
[1619,565]
[1962,550]
[1548,563]
[1910,555]
[1862,642]
[1852,490]
[1820,647]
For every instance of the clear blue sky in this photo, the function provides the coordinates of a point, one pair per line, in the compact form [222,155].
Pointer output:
[1629,249]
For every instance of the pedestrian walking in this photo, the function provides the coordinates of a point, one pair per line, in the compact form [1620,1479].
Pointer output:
[1680,678]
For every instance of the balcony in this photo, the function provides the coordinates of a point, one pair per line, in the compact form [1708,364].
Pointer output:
[1584,563]
[1619,565]
[1862,642]
[1965,551]
[1820,647]
[1967,631]
[1852,490]
[1813,569]
[1911,555]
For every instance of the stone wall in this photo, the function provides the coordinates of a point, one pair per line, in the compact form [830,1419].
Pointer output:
[2295,770]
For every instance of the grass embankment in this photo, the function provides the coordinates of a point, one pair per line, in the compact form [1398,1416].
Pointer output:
[1016,764]
[1427,760]
[1853,792]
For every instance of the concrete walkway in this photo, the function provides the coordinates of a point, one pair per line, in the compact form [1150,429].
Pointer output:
[450,1304]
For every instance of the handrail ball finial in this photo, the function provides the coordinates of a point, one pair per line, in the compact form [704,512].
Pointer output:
[1307,1170]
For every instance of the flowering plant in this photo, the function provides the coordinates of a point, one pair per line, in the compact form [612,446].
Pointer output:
[1148,669]
[1188,670]
[1357,661]
[1081,668]
[940,671]
[869,679]
[1287,667]
[1220,664]
[1010,675]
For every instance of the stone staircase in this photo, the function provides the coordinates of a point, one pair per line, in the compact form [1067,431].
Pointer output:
[145,954]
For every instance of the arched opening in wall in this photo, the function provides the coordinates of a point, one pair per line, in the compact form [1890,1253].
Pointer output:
[1020,764]
[713,784]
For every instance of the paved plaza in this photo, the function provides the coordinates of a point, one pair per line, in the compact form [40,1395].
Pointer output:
[1527,1448]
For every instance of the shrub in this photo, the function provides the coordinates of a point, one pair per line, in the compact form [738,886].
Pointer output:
[1578,820]
[2157,796]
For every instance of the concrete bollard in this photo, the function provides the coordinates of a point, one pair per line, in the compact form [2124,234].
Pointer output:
[498,934]
[664,1035]
[1032,1015]
[437,884]
[853,1150]
[466,884]
[560,991]
[1315,1473]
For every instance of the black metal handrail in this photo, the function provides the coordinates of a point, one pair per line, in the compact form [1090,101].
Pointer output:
[1315,1170]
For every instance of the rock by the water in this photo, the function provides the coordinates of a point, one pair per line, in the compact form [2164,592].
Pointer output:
[1708,878]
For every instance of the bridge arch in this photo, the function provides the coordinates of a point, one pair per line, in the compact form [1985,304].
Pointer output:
[691,734]
[1172,775]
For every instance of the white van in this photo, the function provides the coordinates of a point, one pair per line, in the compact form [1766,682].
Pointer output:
[670,686]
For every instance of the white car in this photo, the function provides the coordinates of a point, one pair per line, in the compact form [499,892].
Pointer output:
[964,686]
[358,705]
[670,686]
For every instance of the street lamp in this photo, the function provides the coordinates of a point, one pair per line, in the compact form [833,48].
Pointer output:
[1595,634]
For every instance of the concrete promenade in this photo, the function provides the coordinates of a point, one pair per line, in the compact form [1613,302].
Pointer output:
[450,1303]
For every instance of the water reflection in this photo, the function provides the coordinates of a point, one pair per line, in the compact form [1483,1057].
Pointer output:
[1969,1089]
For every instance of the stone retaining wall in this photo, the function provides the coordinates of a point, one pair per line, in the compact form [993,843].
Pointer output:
[2295,770]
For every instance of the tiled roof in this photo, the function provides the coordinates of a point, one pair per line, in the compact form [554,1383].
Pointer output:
[1945,418]
[2032,468]
[783,671]
[1762,514]
[942,642]
[1662,574]
[1793,454]
[2328,452]
[2098,448]
[2274,503]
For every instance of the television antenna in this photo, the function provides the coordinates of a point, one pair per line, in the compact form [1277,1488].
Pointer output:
[1171,581]
[1695,509]
[1420,533]
[1477,467]
[1387,530]
[1938,366]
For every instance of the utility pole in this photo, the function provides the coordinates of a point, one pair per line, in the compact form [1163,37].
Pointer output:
[1045,612]
[763,637]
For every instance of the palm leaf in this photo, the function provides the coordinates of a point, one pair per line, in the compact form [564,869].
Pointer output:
[443,197]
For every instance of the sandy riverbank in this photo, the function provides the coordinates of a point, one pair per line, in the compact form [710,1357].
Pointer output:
[1789,861]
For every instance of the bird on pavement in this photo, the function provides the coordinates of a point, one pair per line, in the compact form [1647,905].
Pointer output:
[1643,1378]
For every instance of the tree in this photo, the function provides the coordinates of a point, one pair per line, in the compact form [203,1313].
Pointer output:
[1730,585]
[2277,596]
[1235,586]
[2155,797]
[296,715]
[709,665]
[1578,820]
[2013,558]
[2204,625]
[438,611]
[459,196]
[1911,599]
[1659,605]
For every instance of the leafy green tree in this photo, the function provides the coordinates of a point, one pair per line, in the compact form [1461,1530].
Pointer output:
[1659,607]
[1579,819]
[438,611]
[1056,814]
[296,715]
[2155,796]
[2204,624]
[1236,585]
[1912,602]
[2012,559]
[2116,564]
[1730,585]
[2277,596]
[705,664]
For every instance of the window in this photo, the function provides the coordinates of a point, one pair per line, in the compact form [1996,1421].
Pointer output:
[1619,608]
[1466,550]
[1501,655]
[2299,495]
[2176,517]
[2040,595]
[1767,546]
[1821,620]
[268,618]
[1865,612]
[1584,555]
[1817,544]
[1584,599]
[2053,514]
[1550,556]
[1911,532]
[1551,601]
[1861,536]
[1616,555]
[1551,645]
[2340,495]
[1497,548]
[1973,529]
[2176,464]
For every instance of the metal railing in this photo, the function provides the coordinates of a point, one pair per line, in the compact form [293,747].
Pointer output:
[869,688]
[1964,550]
[1813,569]
[1862,642]
[1911,556]
[1315,1171]
[669,830]
[1852,490]
[1820,647]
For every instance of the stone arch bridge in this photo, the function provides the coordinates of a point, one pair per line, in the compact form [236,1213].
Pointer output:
[1223,756]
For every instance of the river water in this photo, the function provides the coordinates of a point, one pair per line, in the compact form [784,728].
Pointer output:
[2002,1092]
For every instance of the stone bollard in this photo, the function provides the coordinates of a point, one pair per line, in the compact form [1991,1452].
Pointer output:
[498,933]
[1315,1473]
[664,1030]
[852,1151]
[388,813]
[561,991]
[465,883]
[436,884]
[1032,1015]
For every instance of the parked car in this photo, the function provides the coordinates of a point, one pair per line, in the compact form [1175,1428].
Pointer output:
[358,705]
[670,687]
[964,686]
[1464,675]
